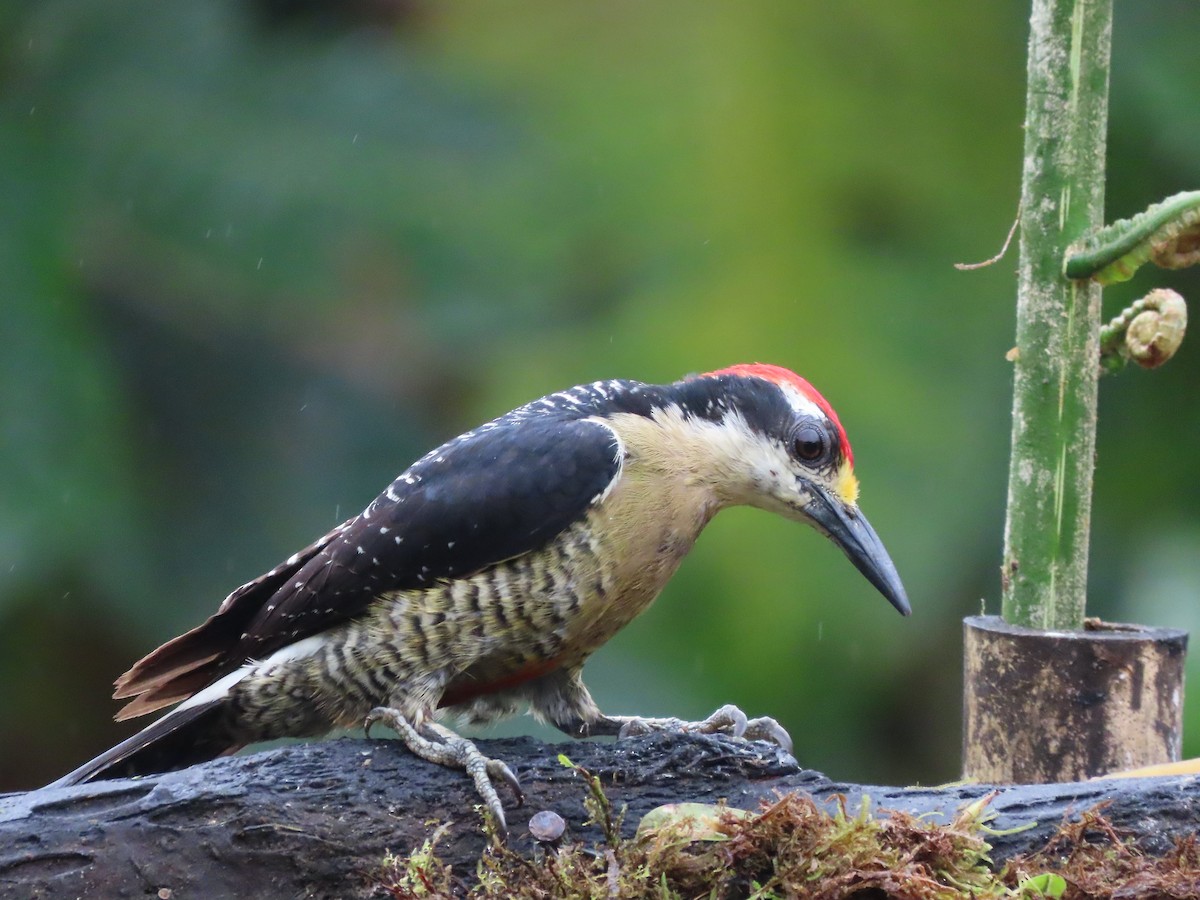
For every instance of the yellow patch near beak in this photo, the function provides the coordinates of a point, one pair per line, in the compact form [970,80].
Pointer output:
[845,485]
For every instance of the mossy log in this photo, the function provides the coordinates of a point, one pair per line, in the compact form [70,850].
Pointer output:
[316,820]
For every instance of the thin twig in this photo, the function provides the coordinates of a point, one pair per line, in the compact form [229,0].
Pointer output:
[966,267]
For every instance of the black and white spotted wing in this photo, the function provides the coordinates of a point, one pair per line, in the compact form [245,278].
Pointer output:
[493,494]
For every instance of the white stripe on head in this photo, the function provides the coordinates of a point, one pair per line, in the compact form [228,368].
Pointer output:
[801,403]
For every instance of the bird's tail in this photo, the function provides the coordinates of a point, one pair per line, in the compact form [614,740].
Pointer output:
[183,737]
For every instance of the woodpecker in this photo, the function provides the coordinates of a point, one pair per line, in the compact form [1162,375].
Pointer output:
[481,580]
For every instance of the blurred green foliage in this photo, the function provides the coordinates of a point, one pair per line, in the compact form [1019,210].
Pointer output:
[255,257]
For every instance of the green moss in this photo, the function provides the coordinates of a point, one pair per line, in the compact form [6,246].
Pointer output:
[421,874]
[1098,863]
[794,847]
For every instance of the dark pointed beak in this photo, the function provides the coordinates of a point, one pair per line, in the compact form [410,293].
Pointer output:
[850,530]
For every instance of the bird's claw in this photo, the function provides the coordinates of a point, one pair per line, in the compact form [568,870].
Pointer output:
[440,745]
[381,714]
[727,720]
[497,768]
[764,728]
[483,771]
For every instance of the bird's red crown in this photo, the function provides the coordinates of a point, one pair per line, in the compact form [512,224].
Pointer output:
[780,375]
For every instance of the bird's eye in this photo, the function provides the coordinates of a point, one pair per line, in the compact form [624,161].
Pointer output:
[810,443]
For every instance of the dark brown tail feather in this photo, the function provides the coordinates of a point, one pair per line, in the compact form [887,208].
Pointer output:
[199,657]
[177,656]
[175,741]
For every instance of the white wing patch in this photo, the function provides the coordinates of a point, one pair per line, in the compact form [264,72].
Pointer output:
[619,459]
[221,687]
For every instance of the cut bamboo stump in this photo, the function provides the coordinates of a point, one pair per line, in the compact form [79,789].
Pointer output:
[1053,706]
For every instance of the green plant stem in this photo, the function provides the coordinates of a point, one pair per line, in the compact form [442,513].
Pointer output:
[1058,320]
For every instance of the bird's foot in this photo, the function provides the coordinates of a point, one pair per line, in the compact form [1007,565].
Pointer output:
[727,720]
[438,744]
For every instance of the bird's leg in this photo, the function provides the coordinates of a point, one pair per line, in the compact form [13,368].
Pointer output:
[440,745]
[565,701]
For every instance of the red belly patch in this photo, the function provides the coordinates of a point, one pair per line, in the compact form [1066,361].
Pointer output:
[464,688]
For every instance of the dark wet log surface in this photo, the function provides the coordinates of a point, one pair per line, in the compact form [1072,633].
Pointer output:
[315,820]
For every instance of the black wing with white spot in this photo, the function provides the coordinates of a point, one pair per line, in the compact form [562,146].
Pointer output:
[492,495]
[496,494]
